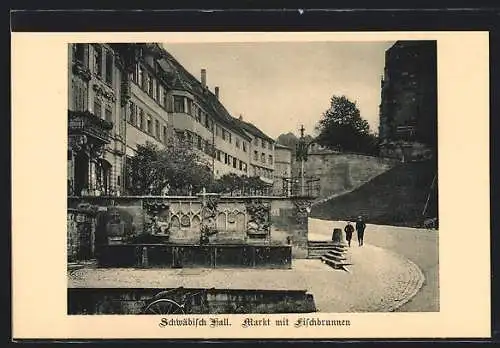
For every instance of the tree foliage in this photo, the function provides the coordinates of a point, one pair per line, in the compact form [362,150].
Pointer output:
[176,170]
[342,128]
[233,185]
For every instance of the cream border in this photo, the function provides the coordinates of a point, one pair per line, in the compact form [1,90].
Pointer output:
[39,104]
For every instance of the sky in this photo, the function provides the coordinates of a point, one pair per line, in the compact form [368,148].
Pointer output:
[278,86]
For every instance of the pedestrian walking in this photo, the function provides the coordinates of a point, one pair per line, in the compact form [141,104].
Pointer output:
[349,229]
[360,229]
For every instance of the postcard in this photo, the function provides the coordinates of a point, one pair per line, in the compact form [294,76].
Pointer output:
[250,185]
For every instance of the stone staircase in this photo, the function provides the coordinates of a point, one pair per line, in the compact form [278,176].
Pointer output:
[331,253]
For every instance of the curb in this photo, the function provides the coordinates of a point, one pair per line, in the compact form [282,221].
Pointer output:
[413,287]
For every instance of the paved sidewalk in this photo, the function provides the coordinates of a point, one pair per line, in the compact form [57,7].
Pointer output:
[378,281]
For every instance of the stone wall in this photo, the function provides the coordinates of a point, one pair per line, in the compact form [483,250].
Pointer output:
[224,220]
[214,301]
[339,172]
[289,224]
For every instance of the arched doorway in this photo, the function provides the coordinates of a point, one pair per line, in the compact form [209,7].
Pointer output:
[105,176]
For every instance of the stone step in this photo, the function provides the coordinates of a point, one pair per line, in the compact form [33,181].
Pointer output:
[323,242]
[336,258]
[335,264]
[327,248]
[335,253]
[315,254]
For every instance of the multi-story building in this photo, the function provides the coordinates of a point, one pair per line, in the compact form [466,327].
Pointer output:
[200,117]
[95,131]
[123,95]
[282,168]
[148,115]
[261,151]
[408,109]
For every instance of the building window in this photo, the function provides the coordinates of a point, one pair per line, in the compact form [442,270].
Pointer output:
[79,53]
[98,60]
[226,158]
[178,104]
[230,140]
[223,134]
[218,155]
[263,144]
[140,80]
[263,157]
[190,107]
[149,125]
[200,141]
[237,143]
[217,131]
[157,129]
[132,114]
[270,159]
[135,73]
[256,155]
[161,95]
[207,122]
[108,114]
[79,95]
[244,147]
[149,85]
[166,101]
[155,89]
[97,108]
[140,122]
[165,134]
[109,67]
[241,165]
[234,162]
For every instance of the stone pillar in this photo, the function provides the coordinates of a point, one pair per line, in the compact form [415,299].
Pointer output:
[144,257]
[337,236]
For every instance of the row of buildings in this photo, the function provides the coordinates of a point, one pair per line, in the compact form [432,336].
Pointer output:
[123,95]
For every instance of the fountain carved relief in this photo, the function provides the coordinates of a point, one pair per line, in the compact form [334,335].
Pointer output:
[258,224]
[209,217]
[303,208]
[156,218]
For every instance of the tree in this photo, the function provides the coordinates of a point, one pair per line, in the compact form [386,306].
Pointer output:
[342,128]
[176,167]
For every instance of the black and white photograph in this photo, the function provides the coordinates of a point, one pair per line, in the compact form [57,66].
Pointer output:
[252,178]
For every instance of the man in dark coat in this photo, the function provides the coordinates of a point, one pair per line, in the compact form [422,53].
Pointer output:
[360,229]
[349,229]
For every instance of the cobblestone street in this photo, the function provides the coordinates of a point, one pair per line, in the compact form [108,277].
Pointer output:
[378,281]
[417,245]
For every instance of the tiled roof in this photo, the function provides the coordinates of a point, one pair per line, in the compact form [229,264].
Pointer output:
[186,81]
[280,146]
[250,128]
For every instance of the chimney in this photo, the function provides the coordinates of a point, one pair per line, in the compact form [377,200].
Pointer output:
[241,117]
[204,77]
[217,92]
